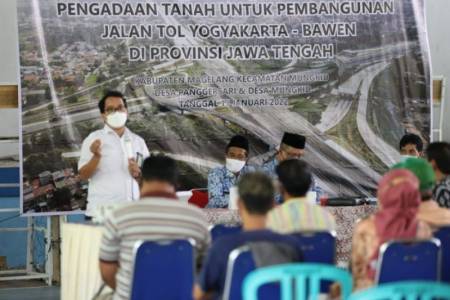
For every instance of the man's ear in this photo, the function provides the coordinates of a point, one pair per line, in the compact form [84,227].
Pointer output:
[433,164]
[240,205]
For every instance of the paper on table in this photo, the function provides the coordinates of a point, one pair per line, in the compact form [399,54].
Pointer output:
[232,204]
[184,196]
[311,197]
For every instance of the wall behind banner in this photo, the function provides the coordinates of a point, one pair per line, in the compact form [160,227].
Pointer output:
[438,25]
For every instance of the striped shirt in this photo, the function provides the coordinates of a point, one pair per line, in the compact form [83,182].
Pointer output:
[441,192]
[150,218]
[298,215]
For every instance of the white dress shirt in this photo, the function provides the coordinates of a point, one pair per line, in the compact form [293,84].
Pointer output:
[112,182]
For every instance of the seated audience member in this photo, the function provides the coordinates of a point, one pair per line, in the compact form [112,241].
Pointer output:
[221,179]
[429,210]
[292,146]
[411,145]
[255,200]
[296,214]
[399,200]
[157,215]
[438,154]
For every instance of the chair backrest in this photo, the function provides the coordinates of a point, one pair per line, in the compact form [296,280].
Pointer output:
[9,182]
[417,290]
[403,260]
[163,270]
[240,263]
[317,246]
[219,230]
[298,281]
[443,234]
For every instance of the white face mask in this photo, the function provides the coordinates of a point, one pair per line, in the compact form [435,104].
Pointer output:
[234,165]
[116,119]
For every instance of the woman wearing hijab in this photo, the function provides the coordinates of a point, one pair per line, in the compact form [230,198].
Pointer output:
[399,200]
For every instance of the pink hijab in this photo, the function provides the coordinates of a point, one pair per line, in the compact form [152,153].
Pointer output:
[399,199]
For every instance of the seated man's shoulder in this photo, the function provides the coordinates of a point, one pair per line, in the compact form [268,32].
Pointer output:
[217,170]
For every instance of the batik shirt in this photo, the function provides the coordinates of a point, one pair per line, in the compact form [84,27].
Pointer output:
[441,192]
[269,169]
[220,180]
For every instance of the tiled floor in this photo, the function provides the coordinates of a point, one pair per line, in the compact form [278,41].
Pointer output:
[31,293]
[28,290]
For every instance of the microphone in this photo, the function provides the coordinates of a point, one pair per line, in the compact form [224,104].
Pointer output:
[347,201]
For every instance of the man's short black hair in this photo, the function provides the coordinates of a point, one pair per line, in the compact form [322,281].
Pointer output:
[295,177]
[411,138]
[256,192]
[101,103]
[440,153]
[160,168]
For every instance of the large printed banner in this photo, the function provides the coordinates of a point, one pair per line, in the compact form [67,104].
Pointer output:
[351,75]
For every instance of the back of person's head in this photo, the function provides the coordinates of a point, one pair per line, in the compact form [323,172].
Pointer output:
[160,168]
[424,173]
[399,199]
[411,139]
[115,94]
[399,188]
[256,192]
[439,155]
[295,177]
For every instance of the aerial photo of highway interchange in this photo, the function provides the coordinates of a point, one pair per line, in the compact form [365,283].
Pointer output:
[347,106]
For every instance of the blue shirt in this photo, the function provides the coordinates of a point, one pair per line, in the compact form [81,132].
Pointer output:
[213,274]
[269,169]
[220,180]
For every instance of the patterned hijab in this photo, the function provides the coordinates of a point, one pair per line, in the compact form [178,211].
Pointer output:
[399,199]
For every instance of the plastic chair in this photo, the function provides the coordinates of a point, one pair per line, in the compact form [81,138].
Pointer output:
[443,234]
[405,260]
[240,263]
[298,281]
[416,290]
[219,230]
[9,179]
[163,270]
[318,246]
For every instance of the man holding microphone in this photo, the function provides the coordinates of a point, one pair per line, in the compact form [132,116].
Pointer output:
[110,156]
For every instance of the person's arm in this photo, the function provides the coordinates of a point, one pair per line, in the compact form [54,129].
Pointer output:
[109,253]
[216,195]
[108,270]
[208,280]
[199,294]
[361,252]
[88,169]
[134,169]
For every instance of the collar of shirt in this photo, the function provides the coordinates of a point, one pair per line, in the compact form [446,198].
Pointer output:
[159,195]
[301,199]
[230,174]
[109,130]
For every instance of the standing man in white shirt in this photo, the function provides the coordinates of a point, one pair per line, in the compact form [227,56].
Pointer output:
[110,156]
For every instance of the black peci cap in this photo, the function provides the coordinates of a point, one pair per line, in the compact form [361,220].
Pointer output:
[294,140]
[238,141]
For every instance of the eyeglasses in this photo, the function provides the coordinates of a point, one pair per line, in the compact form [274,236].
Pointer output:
[289,155]
[110,110]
